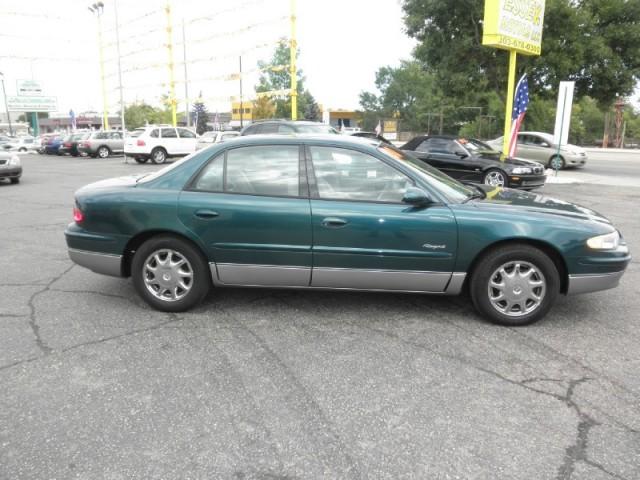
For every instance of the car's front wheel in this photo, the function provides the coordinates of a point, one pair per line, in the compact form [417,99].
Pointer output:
[514,285]
[170,274]
[495,178]
[158,155]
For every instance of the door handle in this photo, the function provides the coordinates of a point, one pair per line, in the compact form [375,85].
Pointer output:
[333,222]
[206,214]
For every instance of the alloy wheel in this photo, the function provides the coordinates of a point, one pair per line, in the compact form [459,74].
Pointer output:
[103,152]
[168,275]
[495,179]
[516,288]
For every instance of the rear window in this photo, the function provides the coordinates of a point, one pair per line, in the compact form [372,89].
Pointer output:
[137,132]
[321,128]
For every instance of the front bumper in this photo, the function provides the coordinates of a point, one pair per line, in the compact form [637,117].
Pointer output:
[527,181]
[593,283]
[10,172]
[575,160]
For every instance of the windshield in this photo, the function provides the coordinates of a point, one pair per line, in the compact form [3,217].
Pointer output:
[444,184]
[476,145]
[546,137]
[316,129]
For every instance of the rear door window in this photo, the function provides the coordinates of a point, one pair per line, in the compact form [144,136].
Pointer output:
[168,133]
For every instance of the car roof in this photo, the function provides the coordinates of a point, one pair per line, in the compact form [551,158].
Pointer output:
[319,138]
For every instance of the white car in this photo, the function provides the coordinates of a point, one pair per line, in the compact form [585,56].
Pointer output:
[159,142]
[209,138]
[22,144]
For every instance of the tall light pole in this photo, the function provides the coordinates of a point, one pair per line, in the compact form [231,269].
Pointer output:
[186,78]
[293,51]
[122,125]
[6,107]
[172,82]
[97,9]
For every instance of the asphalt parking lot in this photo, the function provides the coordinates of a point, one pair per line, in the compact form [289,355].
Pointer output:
[269,384]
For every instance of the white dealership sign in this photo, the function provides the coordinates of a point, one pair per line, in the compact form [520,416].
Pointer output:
[563,113]
[28,88]
[17,103]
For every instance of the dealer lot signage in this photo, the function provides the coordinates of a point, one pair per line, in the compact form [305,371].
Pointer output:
[514,25]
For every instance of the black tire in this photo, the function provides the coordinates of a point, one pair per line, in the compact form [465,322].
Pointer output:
[492,261]
[559,159]
[22,149]
[495,173]
[103,152]
[200,280]
[15,180]
[141,159]
[158,155]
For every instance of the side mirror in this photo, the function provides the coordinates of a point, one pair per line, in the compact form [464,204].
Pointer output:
[416,197]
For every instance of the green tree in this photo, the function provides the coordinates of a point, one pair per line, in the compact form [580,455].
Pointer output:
[310,107]
[201,115]
[276,77]
[596,43]
[263,108]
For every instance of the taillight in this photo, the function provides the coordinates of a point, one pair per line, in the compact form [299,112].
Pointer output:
[140,143]
[78,216]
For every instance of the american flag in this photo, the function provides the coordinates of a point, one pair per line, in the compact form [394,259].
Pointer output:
[520,103]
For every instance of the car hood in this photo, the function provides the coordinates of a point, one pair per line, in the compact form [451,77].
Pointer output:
[512,161]
[500,198]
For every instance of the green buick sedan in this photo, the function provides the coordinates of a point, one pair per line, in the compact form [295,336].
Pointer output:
[331,212]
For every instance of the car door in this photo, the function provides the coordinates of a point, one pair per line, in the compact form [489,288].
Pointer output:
[540,149]
[364,236]
[250,208]
[116,143]
[452,158]
[170,141]
[188,141]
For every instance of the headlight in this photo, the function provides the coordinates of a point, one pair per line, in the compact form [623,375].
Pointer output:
[609,241]
[15,161]
[521,170]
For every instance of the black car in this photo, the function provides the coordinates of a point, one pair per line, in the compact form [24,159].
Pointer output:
[470,160]
[286,127]
[70,144]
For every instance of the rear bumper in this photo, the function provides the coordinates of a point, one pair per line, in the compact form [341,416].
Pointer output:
[106,264]
[593,283]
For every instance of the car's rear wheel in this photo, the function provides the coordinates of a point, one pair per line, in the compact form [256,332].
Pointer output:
[15,180]
[158,155]
[141,159]
[104,152]
[22,149]
[170,274]
[557,162]
[495,178]
[514,285]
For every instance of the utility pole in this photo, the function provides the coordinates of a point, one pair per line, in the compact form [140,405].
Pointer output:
[98,9]
[186,78]
[6,107]
[293,50]
[241,106]
[122,125]
[172,82]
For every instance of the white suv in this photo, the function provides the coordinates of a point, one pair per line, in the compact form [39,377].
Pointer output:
[159,142]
